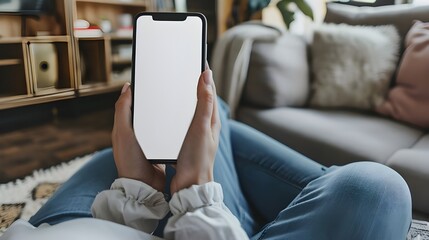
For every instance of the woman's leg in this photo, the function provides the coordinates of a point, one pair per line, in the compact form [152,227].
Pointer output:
[271,175]
[362,200]
[74,198]
[303,200]
[225,173]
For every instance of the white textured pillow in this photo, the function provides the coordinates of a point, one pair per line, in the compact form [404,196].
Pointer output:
[352,65]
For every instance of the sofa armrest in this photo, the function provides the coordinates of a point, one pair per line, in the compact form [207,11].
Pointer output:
[231,56]
[278,73]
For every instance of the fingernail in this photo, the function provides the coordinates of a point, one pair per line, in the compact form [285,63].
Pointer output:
[207,77]
[125,87]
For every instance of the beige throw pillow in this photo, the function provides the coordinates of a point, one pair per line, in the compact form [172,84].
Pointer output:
[352,65]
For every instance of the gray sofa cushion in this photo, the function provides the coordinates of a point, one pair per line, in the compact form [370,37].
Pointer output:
[278,73]
[401,16]
[333,137]
[413,165]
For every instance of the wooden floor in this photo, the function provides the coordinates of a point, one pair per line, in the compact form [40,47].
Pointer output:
[50,143]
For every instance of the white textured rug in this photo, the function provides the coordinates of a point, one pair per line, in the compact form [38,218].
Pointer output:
[22,198]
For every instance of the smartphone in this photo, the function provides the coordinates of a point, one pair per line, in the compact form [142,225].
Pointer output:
[169,54]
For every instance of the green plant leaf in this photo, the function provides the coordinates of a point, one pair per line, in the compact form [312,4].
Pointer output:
[305,8]
[289,16]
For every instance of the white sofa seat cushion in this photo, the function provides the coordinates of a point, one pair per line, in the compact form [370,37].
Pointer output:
[333,137]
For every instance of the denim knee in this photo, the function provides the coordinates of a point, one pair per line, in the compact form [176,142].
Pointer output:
[375,181]
[358,201]
[372,196]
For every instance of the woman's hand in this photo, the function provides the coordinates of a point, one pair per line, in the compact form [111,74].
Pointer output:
[129,158]
[196,158]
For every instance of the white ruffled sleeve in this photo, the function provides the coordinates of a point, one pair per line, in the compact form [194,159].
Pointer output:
[131,203]
[199,213]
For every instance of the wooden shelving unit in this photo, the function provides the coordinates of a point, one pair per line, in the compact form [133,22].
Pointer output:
[84,66]
[103,63]
[20,78]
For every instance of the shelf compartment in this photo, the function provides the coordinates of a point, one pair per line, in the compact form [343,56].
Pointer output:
[50,66]
[92,62]
[121,52]
[11,51]
[52,23]
[12,82]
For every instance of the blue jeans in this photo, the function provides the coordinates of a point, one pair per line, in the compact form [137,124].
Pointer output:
[275,192]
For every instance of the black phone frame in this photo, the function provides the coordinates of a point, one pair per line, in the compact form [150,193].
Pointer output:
[166,16]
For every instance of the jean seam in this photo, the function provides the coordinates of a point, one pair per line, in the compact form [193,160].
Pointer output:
[267,227]
[43,220]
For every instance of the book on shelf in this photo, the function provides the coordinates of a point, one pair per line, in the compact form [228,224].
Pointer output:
[89,32]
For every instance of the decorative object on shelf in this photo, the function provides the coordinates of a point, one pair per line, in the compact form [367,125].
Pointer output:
[44,65]
[83,29]
[106,25]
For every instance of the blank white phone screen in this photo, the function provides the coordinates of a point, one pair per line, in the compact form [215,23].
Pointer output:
[167,68]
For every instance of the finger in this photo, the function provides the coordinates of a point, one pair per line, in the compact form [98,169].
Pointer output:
[123,108]
[207,66]
[204,109]
[215,121]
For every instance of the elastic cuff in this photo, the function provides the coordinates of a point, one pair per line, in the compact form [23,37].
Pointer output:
[139,191]
[196,196]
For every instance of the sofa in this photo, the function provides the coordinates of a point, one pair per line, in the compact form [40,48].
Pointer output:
[265,75]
